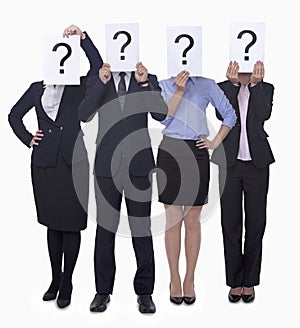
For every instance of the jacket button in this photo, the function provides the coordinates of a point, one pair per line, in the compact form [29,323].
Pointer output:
[61,127]
[50,131]
[123,155]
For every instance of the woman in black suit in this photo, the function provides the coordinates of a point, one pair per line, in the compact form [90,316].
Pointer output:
[59,206]
[244,164]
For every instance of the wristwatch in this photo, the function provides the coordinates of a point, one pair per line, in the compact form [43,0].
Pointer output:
[143,82]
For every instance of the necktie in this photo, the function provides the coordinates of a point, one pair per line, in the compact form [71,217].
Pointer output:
[122,89]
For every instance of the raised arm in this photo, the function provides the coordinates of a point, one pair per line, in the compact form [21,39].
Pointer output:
[88,47]
[152,95]
[96,89]
[261,93]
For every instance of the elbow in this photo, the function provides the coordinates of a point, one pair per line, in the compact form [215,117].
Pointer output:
[81,116]
[11,119]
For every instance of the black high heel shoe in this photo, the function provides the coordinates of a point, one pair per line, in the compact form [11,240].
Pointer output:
[65,292]
[248,298]
[234,298]
[189,300]
[52,291]
[175,300]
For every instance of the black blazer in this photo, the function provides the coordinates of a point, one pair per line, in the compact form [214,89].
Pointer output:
[259,110]
[123,134]
[61,134]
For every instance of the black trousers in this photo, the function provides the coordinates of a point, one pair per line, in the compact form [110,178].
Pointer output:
[109,193]
[243,190]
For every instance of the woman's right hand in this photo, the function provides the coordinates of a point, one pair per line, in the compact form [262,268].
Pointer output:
[232,73]
[180,81]
[38,136]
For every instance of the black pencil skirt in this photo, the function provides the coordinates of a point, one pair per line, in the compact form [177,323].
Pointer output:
[183,172]
[59,205]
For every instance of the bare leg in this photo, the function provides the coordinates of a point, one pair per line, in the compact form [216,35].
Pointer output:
[174,216]
[192,246]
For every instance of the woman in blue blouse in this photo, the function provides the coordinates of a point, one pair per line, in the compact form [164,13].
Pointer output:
[183,169]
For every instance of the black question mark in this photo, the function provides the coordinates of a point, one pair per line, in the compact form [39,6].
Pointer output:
[189,47]
[62,61]
[254,38]
[125,44]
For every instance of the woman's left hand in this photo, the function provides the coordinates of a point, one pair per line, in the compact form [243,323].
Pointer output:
[205,143]
[73,30]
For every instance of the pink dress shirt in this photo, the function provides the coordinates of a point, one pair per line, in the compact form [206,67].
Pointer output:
[243,99]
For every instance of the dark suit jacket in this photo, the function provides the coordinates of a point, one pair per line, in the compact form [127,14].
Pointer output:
[123,134]
[61,134]
[259,110]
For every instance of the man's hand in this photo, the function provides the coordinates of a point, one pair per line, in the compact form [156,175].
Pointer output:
[141,73]
[105,73]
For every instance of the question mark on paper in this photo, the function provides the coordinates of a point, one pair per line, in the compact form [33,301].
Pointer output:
[62,61]
[254,38]
[122,57]
[189,47]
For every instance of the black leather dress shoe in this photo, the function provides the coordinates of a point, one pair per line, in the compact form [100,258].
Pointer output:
[234,298]
[189,300]
[146,304]
[99,303]
[248,298]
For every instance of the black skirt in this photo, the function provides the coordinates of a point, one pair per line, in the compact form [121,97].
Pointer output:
[183,172]
[59,204]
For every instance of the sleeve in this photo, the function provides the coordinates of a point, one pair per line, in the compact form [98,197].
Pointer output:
[18,111]
[219,100]
[166,96]
[92,54]
[154,100]
[261,100]
[88,107]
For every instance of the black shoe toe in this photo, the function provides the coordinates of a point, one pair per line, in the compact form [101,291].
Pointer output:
[99,303]
[62,303]
[146,304]
[49,296]
[234,298]
[248,298]
[189,300]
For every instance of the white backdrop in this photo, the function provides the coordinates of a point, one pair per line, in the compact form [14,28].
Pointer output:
[25,270]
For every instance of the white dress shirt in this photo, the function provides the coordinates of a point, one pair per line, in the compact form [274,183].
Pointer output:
[117,78]
[51,99]
[243,100]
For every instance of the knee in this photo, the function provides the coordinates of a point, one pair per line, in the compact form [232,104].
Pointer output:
[192,224]
[192,221]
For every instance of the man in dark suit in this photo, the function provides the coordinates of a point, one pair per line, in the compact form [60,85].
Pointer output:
[244,161]
[124,163]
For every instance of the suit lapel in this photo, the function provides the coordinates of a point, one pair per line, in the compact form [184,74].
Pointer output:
[38,101]
[132,84]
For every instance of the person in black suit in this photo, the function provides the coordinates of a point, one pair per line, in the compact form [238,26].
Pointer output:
[244,178]
[57,202]
[123,164]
